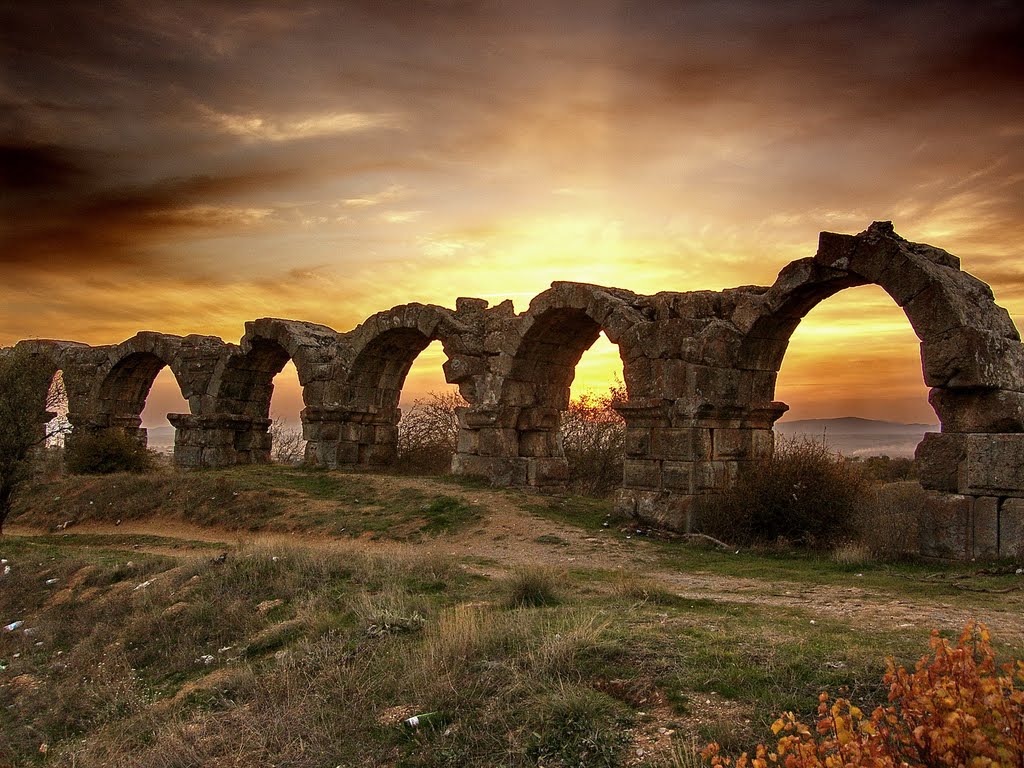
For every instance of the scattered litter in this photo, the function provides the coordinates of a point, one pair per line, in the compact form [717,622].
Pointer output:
[7,570]
[835,664]
[13,625]
[143,585]
[90,503]
[129,564]
[29,631]
[417,720]
[813,621]
[206,658]
[221,558]
[275,558]
[117,522]
[1019,571]
[65,524]
[38,643]
[51,582]
[3,561]
[860,575]
[225,649]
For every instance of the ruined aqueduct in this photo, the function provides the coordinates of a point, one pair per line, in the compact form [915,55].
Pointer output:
[699,368]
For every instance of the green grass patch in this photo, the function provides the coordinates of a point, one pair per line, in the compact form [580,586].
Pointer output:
[583,511]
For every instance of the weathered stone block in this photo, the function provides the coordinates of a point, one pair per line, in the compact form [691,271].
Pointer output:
[1011,528]
[985,523]
[498,442]
[346,454]
[641,473]
[637,442]
[994,465]
[543,472]
[711,475]
[188,455]
[380,454]
[677,476]
[660,509]
[685,444]
[468,441]
[539,444]
[945,526]
[539,419]
[966,357]
[939,457]
[978,410]
[501,471]
[733,443]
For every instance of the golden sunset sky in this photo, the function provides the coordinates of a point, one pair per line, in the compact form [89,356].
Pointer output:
[187,166]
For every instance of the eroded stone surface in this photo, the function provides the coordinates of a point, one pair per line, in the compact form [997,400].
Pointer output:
[699,369]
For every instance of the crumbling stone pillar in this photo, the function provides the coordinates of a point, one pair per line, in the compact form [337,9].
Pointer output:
[350,437]
[489,445]
[219,440]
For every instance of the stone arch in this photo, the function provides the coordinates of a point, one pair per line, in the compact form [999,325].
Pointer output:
[560,325]
[124,381]
[536,359]
[381,352]
[242,386]
[970,348]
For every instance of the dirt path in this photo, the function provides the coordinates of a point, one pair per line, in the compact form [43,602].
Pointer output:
[510,536]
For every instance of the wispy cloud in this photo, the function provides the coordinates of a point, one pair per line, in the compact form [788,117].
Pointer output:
[297,127]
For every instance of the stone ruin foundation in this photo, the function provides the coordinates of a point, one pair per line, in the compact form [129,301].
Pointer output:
[699,367]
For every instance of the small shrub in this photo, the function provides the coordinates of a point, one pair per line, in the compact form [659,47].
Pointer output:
[955,708]
[803,494]
[428,433]
[576,728]
[286,443]
[593,439]
[102,452]
[852,553]
[531,588]
[885,469]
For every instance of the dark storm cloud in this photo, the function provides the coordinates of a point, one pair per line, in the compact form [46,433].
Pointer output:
[62,216]
[105,107]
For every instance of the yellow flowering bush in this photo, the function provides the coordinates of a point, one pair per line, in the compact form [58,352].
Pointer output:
[957,708]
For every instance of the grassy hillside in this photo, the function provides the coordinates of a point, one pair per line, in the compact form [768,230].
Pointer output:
[527,632]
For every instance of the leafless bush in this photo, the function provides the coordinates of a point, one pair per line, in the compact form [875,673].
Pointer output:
[803,494]
[287,445]
[429,432]
[593,437]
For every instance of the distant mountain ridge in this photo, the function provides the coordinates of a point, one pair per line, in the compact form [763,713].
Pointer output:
[854,436]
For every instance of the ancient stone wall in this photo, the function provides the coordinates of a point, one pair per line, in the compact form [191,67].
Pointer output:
[699,367]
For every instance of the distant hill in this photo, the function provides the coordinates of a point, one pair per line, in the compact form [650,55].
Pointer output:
[854,436]
[161,439]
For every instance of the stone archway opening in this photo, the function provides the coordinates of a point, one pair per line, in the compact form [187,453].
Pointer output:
[375,386]
[851,377]
[539,390]
[287,445]
[592,432]
[164,397]
[58,426]
[126,390]
[428,426]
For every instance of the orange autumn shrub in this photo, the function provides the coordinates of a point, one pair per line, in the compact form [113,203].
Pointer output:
[955,709]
